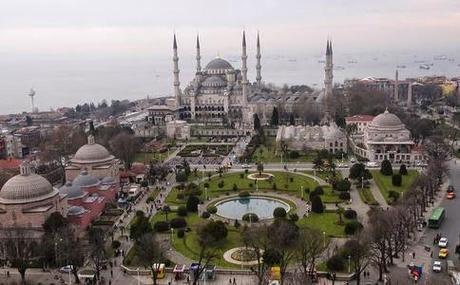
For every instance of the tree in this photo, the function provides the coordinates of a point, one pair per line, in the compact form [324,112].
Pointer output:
[403,169]
[206,252]
[257,126]
[359,172]
[256,239]
[358,250]
[386,168]
[310,247]
[318,163]
[214,230]
[125,146]
[54,223]
[274,121]
[97,253]
[149,253]
[340,211]
[20,248]
[343,185]
[140,226]
[192,203]
[260,167]
[291,119]
[316,204]
[396,180]
[166,209]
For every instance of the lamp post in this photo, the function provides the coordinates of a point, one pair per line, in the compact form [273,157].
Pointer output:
[205,193]
[324,239]
[349,263]
[138,277]
[362,182]
[301,192]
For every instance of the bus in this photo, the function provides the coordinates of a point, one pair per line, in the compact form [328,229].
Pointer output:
[437,216]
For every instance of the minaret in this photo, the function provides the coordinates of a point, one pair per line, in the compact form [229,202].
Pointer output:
[176,73]
[198,54]
[328,83]
[396,91]
[244,71]
[31,95]
[258,66]
[409,96]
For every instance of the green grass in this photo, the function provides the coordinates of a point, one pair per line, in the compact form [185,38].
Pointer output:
[267,153]
[146,157]
[323,174]
[366,196]
[326,222]
[385,185]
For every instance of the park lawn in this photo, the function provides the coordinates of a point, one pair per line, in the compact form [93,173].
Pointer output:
[188,246]
[385,185]
[281,179]
[323,174]
[326,222]
[367,197]
[146,157]
[330,196]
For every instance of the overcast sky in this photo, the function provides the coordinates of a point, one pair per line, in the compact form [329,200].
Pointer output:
[139,27]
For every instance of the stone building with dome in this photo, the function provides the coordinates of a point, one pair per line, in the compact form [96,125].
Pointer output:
[87,196]
[95,159]
[386,137]
[27,200]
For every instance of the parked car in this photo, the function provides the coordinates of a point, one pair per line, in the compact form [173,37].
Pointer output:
[372,164]
[443,242]
[443,253]
[450,195]
[437,266]
[66,269]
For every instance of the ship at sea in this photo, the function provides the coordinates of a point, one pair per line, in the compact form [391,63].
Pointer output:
[440,57]
[424,67]
[401,66]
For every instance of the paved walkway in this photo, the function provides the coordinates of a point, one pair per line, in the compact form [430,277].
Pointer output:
[357,204]
[377,194]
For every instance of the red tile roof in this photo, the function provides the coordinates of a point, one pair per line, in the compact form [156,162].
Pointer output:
[10,163]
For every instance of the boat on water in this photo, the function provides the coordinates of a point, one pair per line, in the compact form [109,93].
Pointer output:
[292,60]
[321,61]
[401,66]
[451,59]
[424,67]
[440,57]
[352,61]
[419,61]
[339,67]
[375,58]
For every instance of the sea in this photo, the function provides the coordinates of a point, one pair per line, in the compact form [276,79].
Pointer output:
[67,80]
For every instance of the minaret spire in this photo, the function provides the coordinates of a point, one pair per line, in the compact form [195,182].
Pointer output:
[244,70]
[396,91]
[258,65]
[328,83]
[198,54]
[176,72]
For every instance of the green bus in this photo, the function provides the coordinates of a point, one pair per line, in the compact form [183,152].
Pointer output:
[437,216]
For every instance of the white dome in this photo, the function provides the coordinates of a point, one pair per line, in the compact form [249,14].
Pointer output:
[386,120]
[26,187]
[92,153]
[85,180]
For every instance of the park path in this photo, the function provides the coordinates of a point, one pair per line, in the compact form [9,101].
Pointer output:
[377,194]
[357,204]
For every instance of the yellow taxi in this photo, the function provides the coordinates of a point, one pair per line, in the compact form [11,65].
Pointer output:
[443,253]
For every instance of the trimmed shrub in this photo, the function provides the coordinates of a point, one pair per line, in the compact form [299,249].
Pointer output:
[396,180]
[393,195]
[178,223]
[212,209]
[116,244]
[206,185]
[316,204]
[386,168]
[279,213]
[250,217]
[250,185]
[180,233]
[205,215]
[161,226]
[241,175]
[244,194]
[181,176]
[403,169]
[182,211]
[319,190]
[343,185]
[344,195]
[236,224]
[215,229]
[352,227]
[291,179]
[192,203]
[335,263]
[274,186]
[235,187]
[220,184]
[350,214]
[293,154]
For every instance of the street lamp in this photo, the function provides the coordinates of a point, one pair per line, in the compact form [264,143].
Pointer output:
[138,277]
[349,263]
[301,192]
[324,239]
[205,193]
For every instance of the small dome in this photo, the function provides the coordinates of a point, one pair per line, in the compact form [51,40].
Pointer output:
[92,153]
[71,191]
[76,211]
[26,187]
[214,81]
[108,180]
[386,120]
[85,180]
[218,64]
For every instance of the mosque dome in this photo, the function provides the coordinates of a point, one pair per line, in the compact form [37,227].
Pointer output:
[76,211]
[218,64]
[108,180]
[386,120]
[85,180]
[71,191]
[214,81]
[92,153]
[26,187]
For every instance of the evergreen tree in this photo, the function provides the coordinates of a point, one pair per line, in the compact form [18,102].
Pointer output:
[386,168]
[257,125]
[274,121]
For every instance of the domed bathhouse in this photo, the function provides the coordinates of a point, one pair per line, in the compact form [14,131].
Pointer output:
[386,137]
[27,200]
[95,159]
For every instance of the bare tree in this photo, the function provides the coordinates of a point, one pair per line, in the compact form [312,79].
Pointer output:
[97,252]
[125,146]
[256,238]
[150,254]
[310,247]
[359,252]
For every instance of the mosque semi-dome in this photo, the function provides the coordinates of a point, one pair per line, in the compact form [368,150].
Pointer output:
[85,180]
[386,120]
[26,187]
[92,153]
[218,64]
[72,191]
[214,81]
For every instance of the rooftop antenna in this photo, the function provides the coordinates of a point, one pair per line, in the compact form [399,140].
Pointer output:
[31,95]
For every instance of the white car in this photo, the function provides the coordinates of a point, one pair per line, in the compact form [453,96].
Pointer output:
[342,165]
[442,242]
[437,266]
[372,164]
[245,166]
[66,269]
[352,160]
